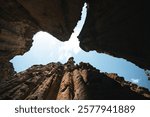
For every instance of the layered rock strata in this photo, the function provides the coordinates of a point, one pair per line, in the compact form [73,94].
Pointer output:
[56,81]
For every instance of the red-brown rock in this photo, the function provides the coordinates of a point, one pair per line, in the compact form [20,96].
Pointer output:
[69,82]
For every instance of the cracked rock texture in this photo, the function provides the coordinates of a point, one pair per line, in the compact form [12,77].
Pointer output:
[69,82]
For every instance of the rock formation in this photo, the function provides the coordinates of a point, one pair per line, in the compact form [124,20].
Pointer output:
[69,82]
[115,27]
[21,19]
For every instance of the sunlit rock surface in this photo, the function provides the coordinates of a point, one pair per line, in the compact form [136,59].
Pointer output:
[69,81]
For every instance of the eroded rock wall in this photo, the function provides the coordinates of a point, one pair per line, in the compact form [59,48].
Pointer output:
[21,19]
[16,31]
[58,17]
[69,82]
[116,27]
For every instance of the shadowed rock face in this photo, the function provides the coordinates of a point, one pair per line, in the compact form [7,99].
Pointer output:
[21,19]
[115,27]
[58,17]
[16,30]
[69,82]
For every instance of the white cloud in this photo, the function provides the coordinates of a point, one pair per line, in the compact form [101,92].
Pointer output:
[135,80]
[46,49]
[48,46]
[69,48]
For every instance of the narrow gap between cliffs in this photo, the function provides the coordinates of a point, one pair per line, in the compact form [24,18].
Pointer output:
[47,48]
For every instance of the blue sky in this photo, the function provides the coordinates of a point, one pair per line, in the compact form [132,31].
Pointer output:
[47,48]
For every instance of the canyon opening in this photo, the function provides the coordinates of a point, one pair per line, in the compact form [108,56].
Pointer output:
[82,67]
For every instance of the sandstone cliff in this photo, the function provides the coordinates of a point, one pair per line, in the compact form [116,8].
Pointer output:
[115,27]
[69,82]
